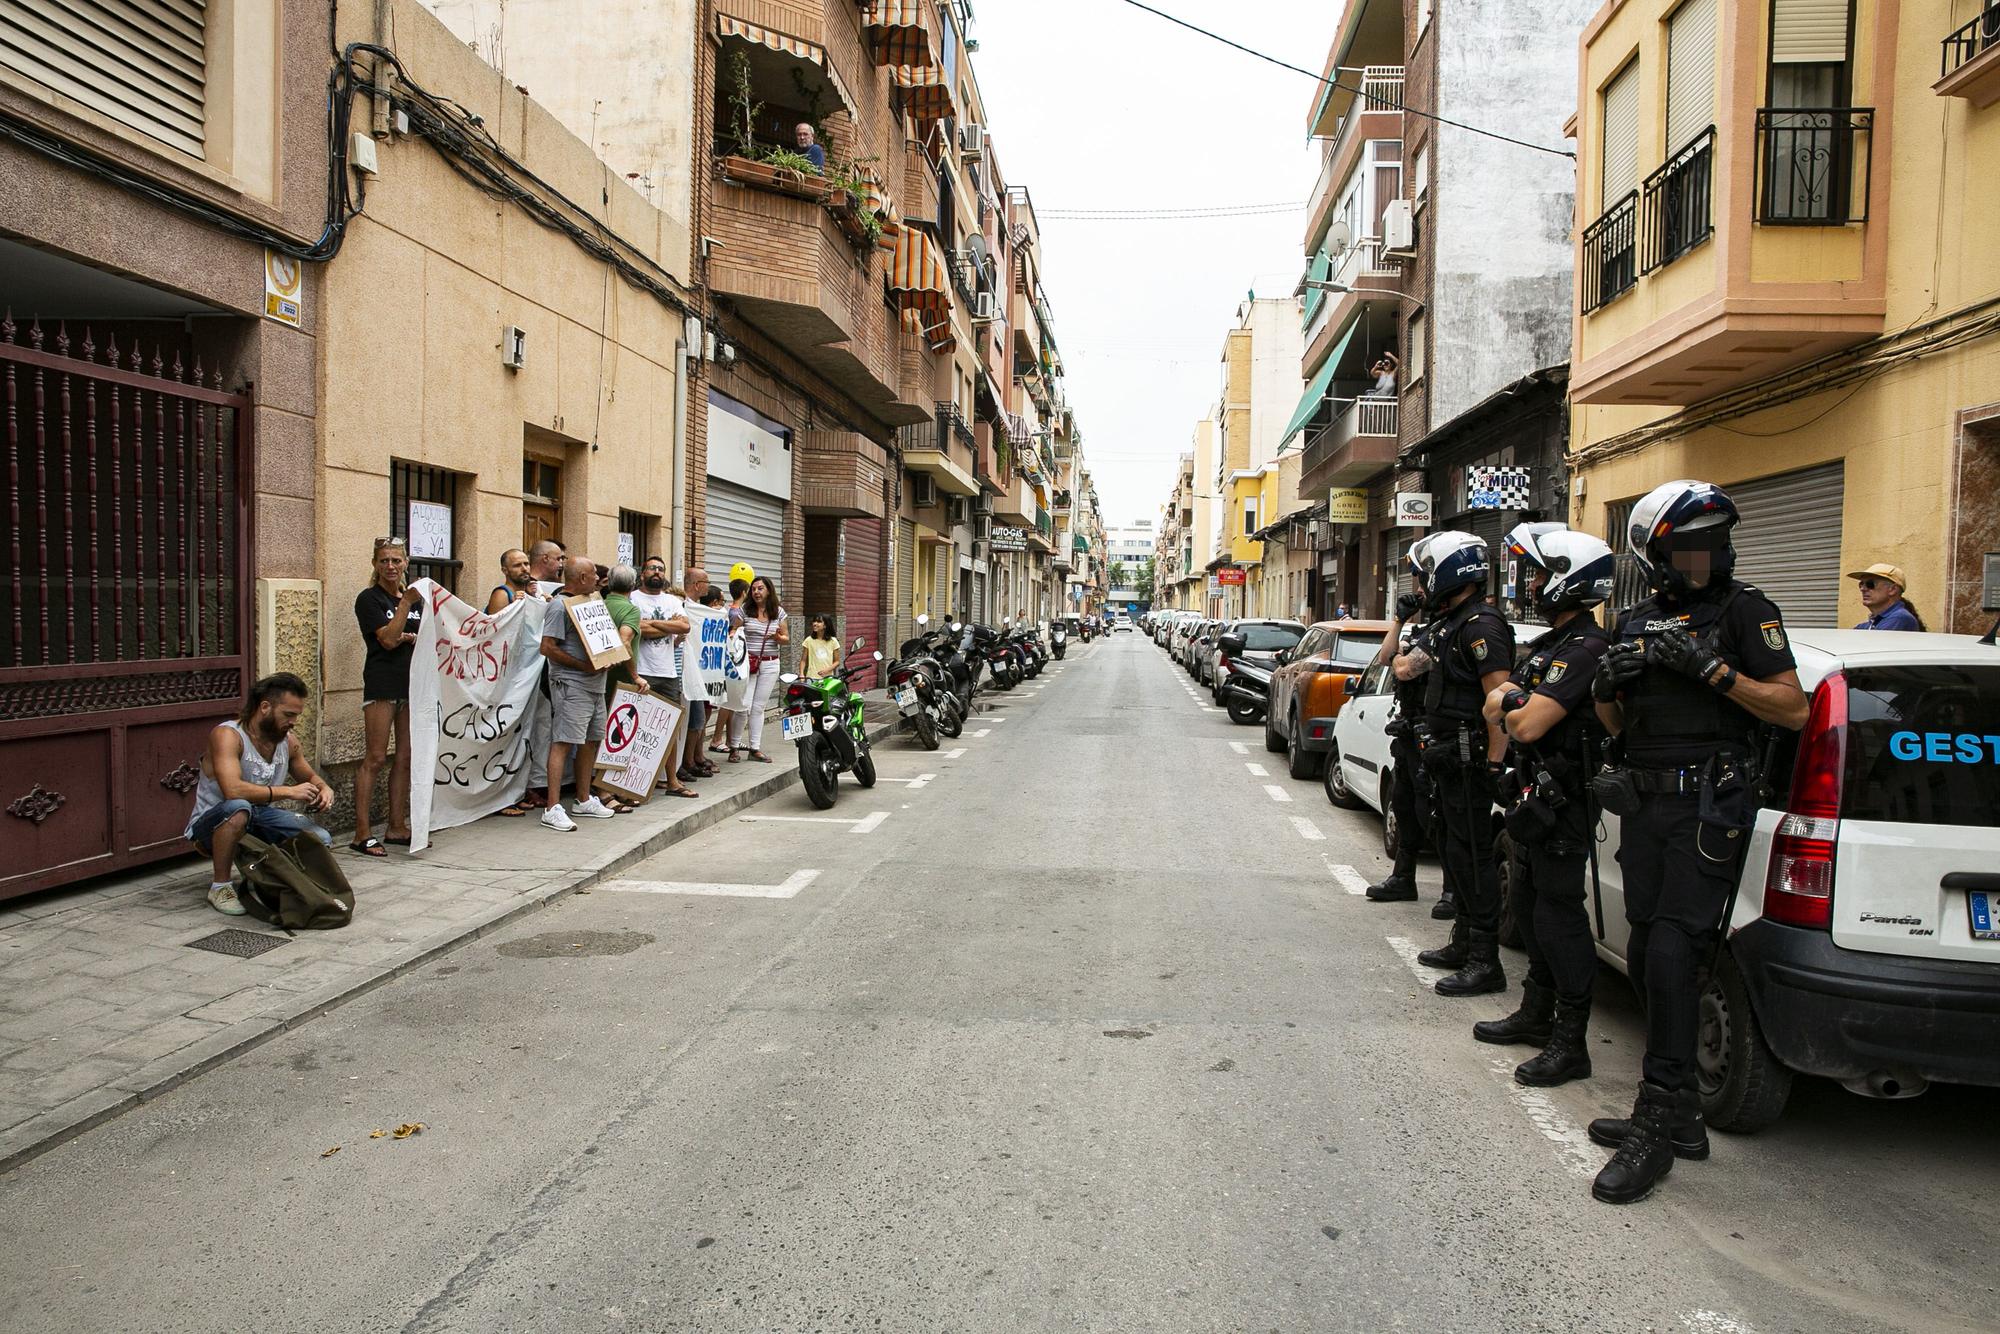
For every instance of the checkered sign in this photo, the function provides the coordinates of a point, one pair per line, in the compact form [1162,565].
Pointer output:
[1496,488]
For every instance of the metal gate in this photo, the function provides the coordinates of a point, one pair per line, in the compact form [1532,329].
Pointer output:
[905,581]
[861,592]
[126,632]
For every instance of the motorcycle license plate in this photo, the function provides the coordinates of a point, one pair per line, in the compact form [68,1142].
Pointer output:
[798,725]
[906,700]
[1980,904]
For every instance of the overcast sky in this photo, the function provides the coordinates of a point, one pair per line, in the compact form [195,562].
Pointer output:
[1097,105]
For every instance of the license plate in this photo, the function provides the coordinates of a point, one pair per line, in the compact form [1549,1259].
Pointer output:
[798,725]
[1980,904]
[906,700]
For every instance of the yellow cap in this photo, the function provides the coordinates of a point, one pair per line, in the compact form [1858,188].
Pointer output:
[1892,573]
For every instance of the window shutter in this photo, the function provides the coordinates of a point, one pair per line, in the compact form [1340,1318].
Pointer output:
[1808,32]
[1690,72]
[1621,136]
[142,63]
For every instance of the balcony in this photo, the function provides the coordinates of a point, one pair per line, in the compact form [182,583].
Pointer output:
[1610,254]
[1674,204]
[1376,113]
[1972,60]
[1015,506]
[841,473]
[1359,443]
[941,448]
[1813,166]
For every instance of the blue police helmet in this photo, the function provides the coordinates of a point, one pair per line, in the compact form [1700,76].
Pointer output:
[1450,561]
[1682,515]
[1582,571]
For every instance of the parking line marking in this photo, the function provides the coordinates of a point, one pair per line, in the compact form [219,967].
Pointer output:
[1579,1155]
[1239,748]
[921,780]
[1350,879]
[795,882]
[869,823]
[1713,1322]
[1277,793]
[1257,770]
[997,718]
[951,754]
[984,731]
[1408,950]
[1307,829]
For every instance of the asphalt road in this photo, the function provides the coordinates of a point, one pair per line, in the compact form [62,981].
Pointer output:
[1084,1031]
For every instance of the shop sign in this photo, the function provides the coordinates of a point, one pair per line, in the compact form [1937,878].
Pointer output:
[1230,576]
[1010,539]
[1347,505]
[748,448]
[1413,509]
[1496,488]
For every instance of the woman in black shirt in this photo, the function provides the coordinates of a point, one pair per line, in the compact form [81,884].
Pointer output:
[388,613]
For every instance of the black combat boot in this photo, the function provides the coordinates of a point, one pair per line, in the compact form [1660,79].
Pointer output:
[1528,1025]
[1686,1130]
[1645,1156]
[1481,974]
[1446,908]
[1567,1053]
[1451,955]
[1399,886]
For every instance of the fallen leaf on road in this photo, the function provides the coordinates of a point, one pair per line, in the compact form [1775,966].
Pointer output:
[408,1128]
[377,1134]
[330,1152]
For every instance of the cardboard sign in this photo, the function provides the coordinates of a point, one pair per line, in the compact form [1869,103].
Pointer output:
[638,733]
[705,664]
[593,624]
[430,531]
[472,696]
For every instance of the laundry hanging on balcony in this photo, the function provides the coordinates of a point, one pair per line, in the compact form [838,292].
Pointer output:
[923,293]
[795,48]
[902,32]
[926,92]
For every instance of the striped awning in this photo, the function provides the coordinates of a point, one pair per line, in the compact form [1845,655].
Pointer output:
[926,93]
[787,45]
[923,292]
[902,32]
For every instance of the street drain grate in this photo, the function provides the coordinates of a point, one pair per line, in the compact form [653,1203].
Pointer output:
[242,944]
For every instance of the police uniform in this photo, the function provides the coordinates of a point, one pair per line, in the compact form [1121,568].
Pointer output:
[1466,645]
[1691,753]
[1556,834]
[1406,797]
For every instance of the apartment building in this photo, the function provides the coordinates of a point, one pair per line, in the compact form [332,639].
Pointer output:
[1127,549]
[1253,482]
[1447,249]
[1785,287]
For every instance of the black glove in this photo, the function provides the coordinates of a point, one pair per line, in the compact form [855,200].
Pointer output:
[1679,651]
[1514,698]
[1409,605]
[1622,665]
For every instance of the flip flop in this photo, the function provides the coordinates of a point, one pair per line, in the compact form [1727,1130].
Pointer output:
[369,847]
[687,792]
[718,750]
[397,842]
[519,808]
[760,757]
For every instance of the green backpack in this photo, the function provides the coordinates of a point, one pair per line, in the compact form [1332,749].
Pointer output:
[295,884]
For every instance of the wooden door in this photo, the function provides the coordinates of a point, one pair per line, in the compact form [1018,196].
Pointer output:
[541,501]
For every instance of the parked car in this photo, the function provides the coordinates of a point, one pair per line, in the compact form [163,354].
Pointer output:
[1198,648]
[1124,622]
[1308,690]
[1256,643]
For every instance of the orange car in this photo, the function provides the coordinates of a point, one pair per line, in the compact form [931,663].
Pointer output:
[1309,687]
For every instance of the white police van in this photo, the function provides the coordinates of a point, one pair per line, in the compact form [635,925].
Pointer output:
[1865,941]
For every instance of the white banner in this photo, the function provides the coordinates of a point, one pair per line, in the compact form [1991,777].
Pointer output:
[705,659]
[472,687]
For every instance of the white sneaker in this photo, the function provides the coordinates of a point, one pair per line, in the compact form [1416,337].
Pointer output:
[555,817]
[223,899]
[592,810]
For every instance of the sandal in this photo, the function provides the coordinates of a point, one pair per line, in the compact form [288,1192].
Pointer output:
[687,792]
[519,808]
[760,757]
[718,750]
[369,847]
[395,842]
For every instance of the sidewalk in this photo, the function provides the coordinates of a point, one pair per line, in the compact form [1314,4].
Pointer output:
[104,1005]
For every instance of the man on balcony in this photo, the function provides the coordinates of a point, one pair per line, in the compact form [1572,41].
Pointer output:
[809,146]
[1384,371]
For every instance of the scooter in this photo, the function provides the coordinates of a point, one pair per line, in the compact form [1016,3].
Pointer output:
[824,718]
[916,686]
[1245,691]
[1058,635]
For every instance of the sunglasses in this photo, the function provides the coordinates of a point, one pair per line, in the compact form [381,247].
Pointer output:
[1871,584]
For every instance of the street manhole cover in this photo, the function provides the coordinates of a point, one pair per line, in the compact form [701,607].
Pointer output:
[241,944]
[571,944]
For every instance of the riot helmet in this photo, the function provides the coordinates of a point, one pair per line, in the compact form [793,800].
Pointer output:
[1450,561]
[1682,518]
[1581,570]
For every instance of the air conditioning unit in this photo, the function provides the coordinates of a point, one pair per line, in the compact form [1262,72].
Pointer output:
[985,309]
[924,494]
[1399,230]
[982,505]
[972,139]
[955,510]
[982,524]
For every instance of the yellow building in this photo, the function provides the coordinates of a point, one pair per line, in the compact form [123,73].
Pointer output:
[1784,287]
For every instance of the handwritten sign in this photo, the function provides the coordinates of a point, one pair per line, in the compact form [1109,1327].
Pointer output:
[638,732]
[705,664]
[592,622]
[628,549]
[472,688]
[430,531]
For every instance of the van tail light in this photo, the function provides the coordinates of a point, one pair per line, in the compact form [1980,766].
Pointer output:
[1798,888]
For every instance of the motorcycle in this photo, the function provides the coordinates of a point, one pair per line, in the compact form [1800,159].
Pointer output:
[1058,634]
[917,684]
[1001,662]
[823,716]
[1246,692]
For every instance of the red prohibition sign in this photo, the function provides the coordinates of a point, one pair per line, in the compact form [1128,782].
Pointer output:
[623,727]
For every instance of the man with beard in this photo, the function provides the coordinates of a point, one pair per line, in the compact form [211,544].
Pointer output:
[662,624]
[249,767]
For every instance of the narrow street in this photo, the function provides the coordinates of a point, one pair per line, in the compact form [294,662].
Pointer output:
[1073,1024]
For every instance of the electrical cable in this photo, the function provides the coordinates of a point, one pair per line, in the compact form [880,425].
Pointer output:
[1169,214]
[1398,103]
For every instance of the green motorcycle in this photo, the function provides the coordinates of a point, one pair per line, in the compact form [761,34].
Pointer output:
[824,718]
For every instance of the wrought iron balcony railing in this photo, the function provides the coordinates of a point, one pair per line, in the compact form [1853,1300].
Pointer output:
[1609,253]
[1973,39]
[1813,165]
[1676,203]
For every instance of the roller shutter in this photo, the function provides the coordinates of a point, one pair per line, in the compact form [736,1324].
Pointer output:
[861,592]
[977,611]
[142,63]
[905,580]
[1788,543]
[1808,32]
[1690,72]
[743,525]
[1621,136]
[943,563]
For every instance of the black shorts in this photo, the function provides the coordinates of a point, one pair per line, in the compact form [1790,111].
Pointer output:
[386,683]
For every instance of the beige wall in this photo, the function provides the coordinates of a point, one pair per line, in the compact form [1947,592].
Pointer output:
[410,367]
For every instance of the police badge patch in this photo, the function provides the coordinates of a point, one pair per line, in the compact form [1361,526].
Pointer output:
[1479,650]
[1555,673]
[1774,634]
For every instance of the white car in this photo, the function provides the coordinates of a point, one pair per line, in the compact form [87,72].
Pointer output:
[1124,622]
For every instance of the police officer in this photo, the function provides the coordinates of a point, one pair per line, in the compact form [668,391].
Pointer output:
[1408,802]
[1692,672]
[1545,708]
[1468,651]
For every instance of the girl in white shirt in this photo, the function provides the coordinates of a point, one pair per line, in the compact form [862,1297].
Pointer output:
[764,633]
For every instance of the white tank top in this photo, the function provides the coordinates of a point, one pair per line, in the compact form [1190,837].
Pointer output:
[257,770]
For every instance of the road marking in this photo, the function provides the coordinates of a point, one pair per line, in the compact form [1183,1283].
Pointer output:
[1239,748]
[984,731]
[1409,950]
[1714,1322]
[997,718]
[863,824]
[795,882]
[1350,879]
[1257,770]
[1277,793]
[869,823]
[951,754]
[1307,829]
[921,780]
[1579,1155]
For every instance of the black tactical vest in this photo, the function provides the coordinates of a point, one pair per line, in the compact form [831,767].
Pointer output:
[1452,697]
[1664,709]
[1580,723]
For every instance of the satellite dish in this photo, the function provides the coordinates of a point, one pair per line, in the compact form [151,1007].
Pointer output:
[1338,238]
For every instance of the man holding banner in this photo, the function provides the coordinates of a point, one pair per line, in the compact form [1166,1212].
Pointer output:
[581,642]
